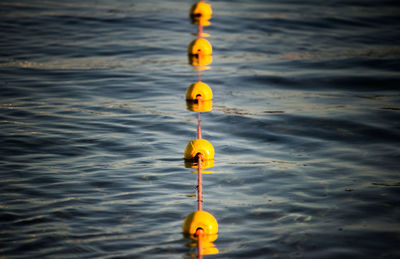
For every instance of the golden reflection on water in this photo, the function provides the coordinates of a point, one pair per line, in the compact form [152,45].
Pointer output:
[202,106]
[203,241]
[203,165]
[200,63]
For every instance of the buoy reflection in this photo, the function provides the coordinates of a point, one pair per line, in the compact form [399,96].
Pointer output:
[204,244]
[199,106]
[201,62]
[204,164]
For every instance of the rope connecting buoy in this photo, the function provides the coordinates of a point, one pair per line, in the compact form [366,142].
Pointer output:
[199,146]
[200,220]
[200,13]
[200,47]
[199,90]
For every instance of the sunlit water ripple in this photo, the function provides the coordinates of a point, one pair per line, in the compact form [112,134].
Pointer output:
[305,125]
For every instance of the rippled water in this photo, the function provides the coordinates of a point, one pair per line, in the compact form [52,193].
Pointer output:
[305,124]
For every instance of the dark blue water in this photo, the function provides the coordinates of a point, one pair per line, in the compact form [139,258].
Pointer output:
[305,124]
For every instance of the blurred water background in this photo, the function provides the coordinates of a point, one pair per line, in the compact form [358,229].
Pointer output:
[305,124]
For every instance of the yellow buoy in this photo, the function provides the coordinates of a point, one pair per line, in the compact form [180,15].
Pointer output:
[200,47]
[200,13]
[200,219]
[199,89]
[199,146]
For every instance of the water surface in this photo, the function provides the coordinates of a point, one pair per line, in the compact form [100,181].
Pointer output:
[305,124]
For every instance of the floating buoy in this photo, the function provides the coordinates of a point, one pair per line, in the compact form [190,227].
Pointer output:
[200,219]
[199,146]
[200,47]
[200,13]
[199,89]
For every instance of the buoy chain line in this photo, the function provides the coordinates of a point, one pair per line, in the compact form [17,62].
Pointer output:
[199,153]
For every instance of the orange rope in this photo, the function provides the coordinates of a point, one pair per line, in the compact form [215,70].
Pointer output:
[199,183]
[199,99]
[199,234]
[199,31]
[199,63]
[198,70]
[198,126]
[200,157]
